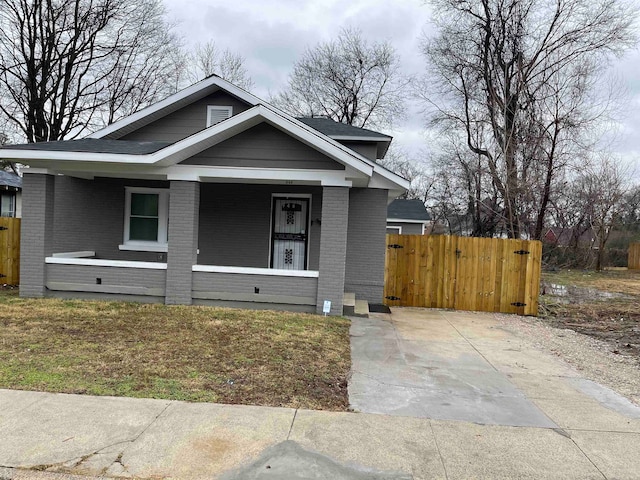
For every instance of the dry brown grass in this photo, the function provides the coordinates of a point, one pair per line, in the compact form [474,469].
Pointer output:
[617,281]
[174,352]
[605,305]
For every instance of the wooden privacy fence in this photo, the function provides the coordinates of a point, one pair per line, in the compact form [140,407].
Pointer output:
[9,251]
[480,274]
[634,257]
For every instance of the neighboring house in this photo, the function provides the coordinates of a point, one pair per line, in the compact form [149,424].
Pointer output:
[210,196]
[10,194]
[566,237]
[407,217]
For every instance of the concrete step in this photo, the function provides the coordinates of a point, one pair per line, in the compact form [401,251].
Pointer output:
[361,309]
[349,299]
[352,307]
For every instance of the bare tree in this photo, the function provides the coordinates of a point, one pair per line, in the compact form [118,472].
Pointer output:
[601,189]
[516,78]
[207,59]
[348,80]
[69,65]
[415,170]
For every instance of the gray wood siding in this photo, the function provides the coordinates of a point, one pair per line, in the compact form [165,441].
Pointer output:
[263,146]
[246,284]
[89,215]
[366,149]
[235,224]
[186,121]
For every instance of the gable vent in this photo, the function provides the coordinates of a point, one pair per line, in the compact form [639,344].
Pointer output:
[216,114]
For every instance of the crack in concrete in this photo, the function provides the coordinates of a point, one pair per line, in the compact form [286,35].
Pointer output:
[295,414]
[118,460]
[587,457]
[435,440]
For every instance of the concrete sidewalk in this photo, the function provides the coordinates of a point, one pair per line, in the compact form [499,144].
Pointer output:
[102,436]
[591,434]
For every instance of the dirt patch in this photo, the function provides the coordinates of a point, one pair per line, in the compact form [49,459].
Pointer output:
[604,305]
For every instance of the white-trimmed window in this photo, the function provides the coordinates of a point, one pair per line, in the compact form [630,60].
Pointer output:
[146,219]
[217,113]
[394,229]
[7,205]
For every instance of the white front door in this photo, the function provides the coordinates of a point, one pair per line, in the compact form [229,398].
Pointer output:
[289,233]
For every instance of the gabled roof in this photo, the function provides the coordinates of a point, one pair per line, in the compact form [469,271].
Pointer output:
[102,150]
[10,179]
[343,132]
[172,103]
[413,209]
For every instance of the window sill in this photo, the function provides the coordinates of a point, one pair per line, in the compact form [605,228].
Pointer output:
[144,247]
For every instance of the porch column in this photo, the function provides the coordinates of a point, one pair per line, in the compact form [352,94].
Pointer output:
[333,248]
[36,232]
[184,210]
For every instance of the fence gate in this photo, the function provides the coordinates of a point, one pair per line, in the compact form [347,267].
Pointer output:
[634,257]
[480,274]
[9,251]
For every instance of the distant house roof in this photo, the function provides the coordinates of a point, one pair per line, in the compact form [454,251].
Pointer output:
[568,236]
[8,179]
[401,209]
[94,145]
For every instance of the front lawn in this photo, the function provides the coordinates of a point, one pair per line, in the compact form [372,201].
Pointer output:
[174,352]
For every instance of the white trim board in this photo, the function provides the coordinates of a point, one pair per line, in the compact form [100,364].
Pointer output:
[256,271]
[400,220]
[93,262]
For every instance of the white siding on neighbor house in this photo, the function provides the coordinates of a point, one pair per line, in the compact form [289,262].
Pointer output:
[407,228]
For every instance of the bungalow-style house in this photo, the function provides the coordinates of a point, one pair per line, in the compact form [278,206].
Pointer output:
[10,194]
[210,196]
[407,217]
[566,237]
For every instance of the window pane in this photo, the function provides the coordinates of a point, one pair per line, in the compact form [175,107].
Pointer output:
[143,229]
[144,204]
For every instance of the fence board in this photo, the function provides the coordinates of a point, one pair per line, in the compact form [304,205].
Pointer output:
[481,274]
[9,250]
[634,257]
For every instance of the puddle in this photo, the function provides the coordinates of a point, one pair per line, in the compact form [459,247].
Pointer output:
[573,294]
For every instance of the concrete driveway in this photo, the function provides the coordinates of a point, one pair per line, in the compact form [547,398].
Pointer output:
[450,365]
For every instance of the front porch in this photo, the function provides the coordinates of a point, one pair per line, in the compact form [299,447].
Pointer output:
[221,244]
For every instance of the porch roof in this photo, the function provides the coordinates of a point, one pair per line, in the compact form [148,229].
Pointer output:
[92,145]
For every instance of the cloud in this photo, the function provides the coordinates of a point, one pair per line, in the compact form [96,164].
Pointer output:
[273,35]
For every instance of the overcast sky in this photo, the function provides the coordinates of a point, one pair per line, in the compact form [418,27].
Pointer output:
[272,34]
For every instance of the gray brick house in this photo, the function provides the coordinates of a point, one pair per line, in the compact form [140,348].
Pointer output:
[210,196]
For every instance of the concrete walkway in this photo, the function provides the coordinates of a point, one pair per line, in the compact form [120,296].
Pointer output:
[597,436]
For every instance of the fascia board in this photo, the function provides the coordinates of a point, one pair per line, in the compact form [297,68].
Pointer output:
[360,139]
[200,173]
[42,155]
[192,90]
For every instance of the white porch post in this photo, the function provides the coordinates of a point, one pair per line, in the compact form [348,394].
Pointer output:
[333,248]
[36,232]
[184,212]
